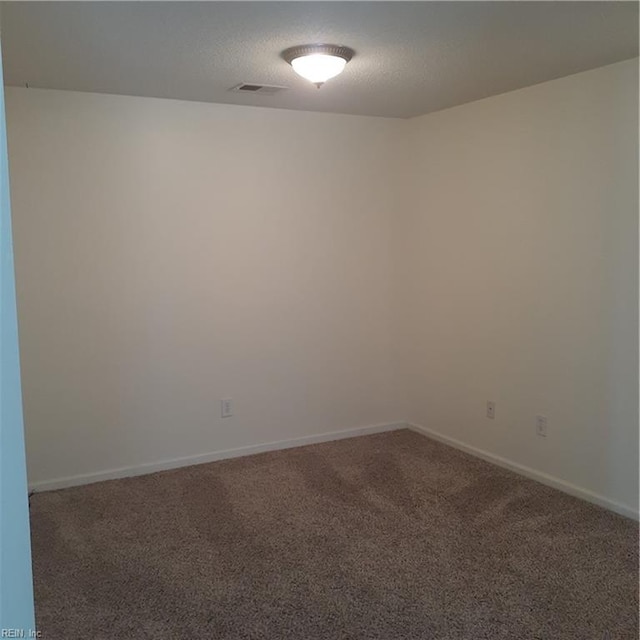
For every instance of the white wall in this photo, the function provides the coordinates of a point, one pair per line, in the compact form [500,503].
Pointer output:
[330,272]
[170,254]
[521,277]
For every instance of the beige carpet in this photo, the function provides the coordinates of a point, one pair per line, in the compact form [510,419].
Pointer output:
[385,537]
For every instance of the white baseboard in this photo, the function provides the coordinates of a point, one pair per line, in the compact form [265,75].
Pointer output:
[174,463]
[528,472]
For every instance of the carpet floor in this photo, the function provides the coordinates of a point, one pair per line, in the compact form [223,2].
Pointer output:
[384,537]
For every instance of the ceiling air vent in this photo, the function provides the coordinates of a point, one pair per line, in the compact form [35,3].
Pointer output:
[267,89]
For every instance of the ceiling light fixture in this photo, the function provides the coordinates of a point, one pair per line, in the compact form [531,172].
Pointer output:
[318,62]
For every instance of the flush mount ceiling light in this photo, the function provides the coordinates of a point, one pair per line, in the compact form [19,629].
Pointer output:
[318,62]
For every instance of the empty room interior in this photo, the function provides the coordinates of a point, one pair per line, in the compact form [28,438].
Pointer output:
[328,317]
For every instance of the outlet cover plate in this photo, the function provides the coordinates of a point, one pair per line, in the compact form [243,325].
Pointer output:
[226,407]
[541,426]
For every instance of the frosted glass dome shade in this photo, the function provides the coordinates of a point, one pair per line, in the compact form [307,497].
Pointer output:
[318,67]
[318,62]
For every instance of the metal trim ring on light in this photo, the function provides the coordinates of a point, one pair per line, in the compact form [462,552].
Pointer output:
[346,53]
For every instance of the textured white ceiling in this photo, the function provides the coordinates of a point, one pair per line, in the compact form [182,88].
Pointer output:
[411,57]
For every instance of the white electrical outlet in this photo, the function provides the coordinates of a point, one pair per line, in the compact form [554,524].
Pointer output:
[226,407]
[491,409]
[541,426]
